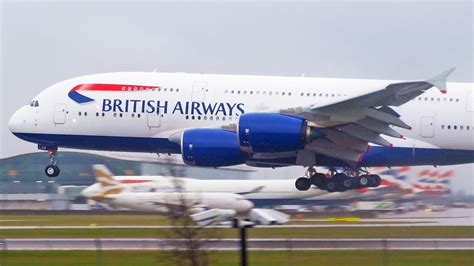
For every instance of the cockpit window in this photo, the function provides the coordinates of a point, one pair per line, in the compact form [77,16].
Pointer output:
[34,103]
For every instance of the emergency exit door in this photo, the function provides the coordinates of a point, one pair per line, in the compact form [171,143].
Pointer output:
[199,91]
[427,127]
[153,120]
[59,113]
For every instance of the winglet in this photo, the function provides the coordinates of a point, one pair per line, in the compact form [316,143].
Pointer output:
[439,81]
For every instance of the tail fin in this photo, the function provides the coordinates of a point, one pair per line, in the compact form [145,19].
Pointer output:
[439,81]
[104,176]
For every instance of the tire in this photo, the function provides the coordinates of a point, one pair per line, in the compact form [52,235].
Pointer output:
[302,184]
[318,180]
[347,184]
[377,180]
[374,181]
[363,181]
[52,170]
[342,182]
[331,186]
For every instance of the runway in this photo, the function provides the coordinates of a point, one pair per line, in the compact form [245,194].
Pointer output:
[233,244]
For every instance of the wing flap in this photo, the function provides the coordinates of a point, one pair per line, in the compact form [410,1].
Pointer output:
[386,118]
[344,140]
[330,149]
[364,134]
[379,127]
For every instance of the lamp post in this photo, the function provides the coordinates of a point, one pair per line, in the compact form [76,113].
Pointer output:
[242,226]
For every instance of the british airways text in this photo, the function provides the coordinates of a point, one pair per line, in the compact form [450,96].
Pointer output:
[165,107]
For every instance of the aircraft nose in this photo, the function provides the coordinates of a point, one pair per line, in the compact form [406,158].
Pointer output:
[246,205]
[15,122]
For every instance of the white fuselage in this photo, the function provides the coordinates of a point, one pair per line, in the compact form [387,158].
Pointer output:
[142,114]
[260,192]
[162,201]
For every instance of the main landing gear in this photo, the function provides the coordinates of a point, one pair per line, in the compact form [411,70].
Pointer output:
[337,182]
[52,170]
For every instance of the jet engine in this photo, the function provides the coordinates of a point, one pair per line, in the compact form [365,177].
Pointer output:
[270,132]
[211,148]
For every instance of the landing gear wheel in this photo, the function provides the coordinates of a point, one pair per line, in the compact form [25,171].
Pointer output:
[331,186]
[374,180]
[363,181]
[343,182]
[347,184]
[302,184]
[319,180]
[52,170]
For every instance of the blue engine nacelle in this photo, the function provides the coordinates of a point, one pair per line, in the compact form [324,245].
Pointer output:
[211,148]
[270,132]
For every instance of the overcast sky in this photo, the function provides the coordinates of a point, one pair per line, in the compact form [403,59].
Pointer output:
[46,42]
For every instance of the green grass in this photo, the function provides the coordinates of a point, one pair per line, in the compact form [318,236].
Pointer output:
[263,258]
[111,218]
[275,232]
[80,219]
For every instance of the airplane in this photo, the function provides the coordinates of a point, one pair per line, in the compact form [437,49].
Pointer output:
[397,183]
[260,192]
[110,191]
[261,121]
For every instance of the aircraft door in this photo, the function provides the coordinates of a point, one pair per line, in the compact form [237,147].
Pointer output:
[427,127]
[199,91]
[470,103]
[154,120]
[59,116]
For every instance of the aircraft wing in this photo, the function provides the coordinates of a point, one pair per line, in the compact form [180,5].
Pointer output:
[350,124]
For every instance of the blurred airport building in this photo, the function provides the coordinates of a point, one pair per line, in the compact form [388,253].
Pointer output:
[23,184]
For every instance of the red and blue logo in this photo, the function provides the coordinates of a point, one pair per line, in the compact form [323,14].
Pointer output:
[75,93]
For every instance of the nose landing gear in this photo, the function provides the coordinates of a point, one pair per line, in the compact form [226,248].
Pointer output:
[337,182]
[52,170]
